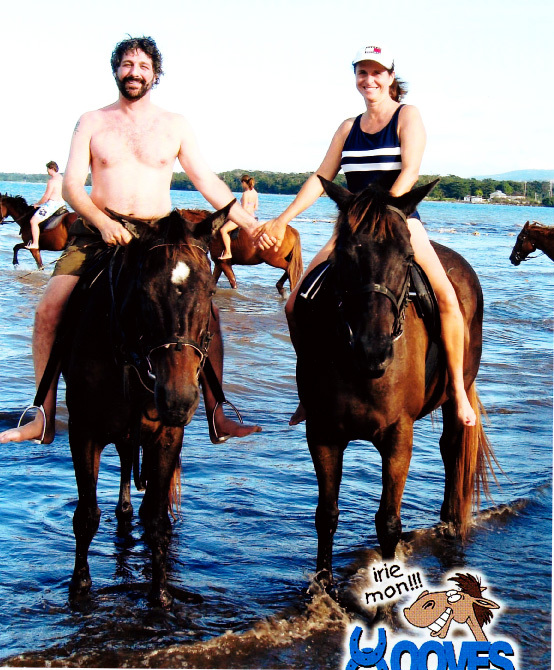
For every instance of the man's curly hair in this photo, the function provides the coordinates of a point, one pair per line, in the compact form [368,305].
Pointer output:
[146,44]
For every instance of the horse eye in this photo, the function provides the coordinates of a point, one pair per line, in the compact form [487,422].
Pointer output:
[454,599]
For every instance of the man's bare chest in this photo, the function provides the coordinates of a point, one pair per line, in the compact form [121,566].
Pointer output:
[149,143]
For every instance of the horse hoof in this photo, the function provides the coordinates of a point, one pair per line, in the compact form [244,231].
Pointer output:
[79,586]
[124,512]
[161,598]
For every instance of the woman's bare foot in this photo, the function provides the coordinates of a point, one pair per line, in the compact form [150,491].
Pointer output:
[31,245]
[225,428]
[464,411]
[299,415]
[225,256]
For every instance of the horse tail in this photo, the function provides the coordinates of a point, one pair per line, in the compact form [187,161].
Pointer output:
[475,463]
[296,265]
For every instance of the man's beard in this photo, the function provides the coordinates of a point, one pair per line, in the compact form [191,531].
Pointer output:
[135,94]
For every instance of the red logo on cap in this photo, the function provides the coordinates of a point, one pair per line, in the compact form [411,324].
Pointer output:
[373,50]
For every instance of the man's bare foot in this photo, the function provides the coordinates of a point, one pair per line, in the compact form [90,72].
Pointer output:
[226,428]
[29,431]
[225,256]
[30,245]
[299,415]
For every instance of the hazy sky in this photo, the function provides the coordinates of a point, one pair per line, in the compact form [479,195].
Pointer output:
[265,83]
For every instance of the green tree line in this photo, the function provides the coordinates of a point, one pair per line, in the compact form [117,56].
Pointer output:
[450,187]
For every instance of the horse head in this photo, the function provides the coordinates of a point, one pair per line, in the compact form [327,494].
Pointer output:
[372,260]
[163,289]
[437,610]
[523,246]
[15,206]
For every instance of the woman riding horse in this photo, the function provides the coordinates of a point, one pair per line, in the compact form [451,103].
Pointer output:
[384,145]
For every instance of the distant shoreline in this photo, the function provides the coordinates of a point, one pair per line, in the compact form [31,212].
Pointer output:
[450,188]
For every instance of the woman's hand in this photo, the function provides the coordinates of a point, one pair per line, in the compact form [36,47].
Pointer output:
[270,234]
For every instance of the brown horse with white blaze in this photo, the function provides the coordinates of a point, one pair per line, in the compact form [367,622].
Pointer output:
[361,369]
[139,337]
[53,236]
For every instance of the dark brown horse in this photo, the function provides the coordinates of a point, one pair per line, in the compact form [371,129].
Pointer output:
[244,252]
[136,351]
[52,238]
[533,236]
[361,368]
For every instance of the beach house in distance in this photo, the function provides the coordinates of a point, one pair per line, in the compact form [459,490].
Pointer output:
[497,197]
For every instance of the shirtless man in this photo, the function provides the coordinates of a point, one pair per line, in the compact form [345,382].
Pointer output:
[50,202]
[131,147]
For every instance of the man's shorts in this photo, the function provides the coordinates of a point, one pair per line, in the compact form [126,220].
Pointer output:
[85,244]
[47,209]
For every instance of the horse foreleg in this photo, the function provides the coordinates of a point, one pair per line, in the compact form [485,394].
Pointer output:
[396,452]
[163,455]
[124,508]
[327,462]
[86,461]
[16,249]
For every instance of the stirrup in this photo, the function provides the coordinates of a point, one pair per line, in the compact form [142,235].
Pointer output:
[41,410]
[215,438]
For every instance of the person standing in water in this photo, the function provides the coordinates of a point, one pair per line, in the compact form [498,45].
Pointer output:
[50,202]
[249,202]
[383,145]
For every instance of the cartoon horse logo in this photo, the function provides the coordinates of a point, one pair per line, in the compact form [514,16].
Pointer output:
[438,610]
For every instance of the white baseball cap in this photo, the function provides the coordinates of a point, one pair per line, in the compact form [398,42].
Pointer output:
[378,54]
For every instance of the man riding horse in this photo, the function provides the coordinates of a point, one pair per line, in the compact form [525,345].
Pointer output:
[130,147]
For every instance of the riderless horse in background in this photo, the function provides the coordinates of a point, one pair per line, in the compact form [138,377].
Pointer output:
[53,232]
[533,236]
[368,366]
[136,339]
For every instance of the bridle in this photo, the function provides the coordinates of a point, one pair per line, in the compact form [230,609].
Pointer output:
[521,239]
[399,303]
[140,360]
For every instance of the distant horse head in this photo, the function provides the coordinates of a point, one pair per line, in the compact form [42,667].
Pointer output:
[163,289]
[372,260]
[533,236]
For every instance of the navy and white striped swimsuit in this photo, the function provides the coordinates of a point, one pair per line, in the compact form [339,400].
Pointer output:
[372,158]
[369,158]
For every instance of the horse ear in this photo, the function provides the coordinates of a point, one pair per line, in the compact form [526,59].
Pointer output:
[407,202]
[212,223]
[339,194]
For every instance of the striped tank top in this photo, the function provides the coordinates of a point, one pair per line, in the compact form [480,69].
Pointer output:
[369,158]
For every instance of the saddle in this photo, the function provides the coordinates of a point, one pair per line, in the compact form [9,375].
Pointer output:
[53,220]
[421,294]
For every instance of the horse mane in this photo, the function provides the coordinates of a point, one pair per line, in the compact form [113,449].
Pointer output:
[368,213]
[17,199]
[472,586]
[172,230]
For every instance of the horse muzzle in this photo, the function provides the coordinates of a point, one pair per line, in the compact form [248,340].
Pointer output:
[176,406]
[373,354]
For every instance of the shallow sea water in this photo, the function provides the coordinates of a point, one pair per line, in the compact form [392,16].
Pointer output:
[245,539]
